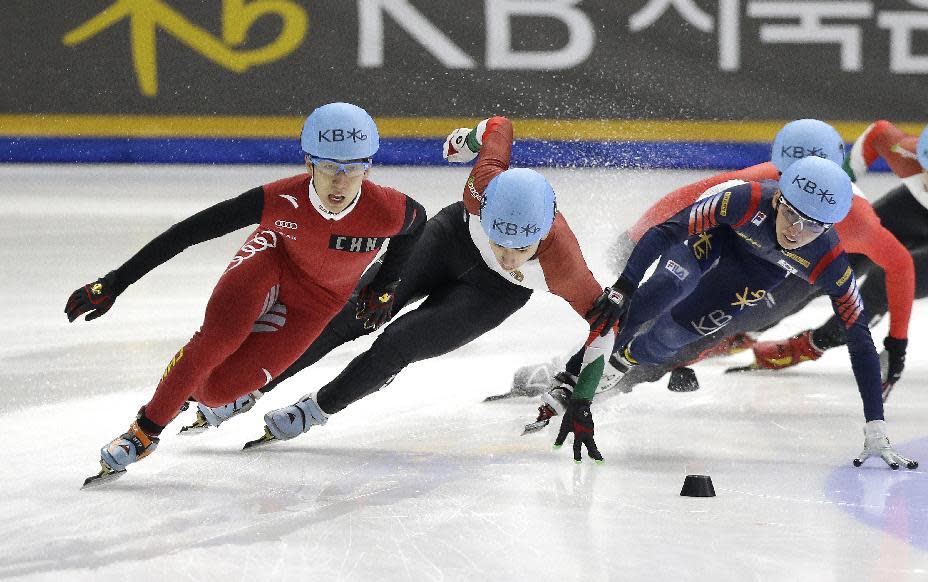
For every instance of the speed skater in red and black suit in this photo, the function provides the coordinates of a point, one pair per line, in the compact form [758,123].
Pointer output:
[317,233]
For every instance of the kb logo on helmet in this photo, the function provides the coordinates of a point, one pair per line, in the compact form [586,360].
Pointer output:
[798,152]
[335,135]
[504,227]
[807,185]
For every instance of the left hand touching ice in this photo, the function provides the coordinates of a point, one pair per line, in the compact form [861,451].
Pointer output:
[579,420]
[876,444]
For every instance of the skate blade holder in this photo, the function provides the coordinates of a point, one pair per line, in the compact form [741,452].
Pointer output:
[106,475]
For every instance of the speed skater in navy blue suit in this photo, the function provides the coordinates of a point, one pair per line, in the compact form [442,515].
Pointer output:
[717,259]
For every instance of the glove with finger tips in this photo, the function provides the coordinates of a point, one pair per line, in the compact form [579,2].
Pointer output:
[94,299]
[608,310]
[579,420]
[375,304]
[463,144]
[876,444]
[456,148]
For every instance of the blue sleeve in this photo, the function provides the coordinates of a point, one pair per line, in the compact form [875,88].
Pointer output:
[838,281]
[731,207]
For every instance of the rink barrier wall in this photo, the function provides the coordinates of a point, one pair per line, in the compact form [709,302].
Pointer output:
[405,141]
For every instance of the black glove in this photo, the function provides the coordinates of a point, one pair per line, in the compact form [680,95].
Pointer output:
[94,299]
[608,311]
[375,305]
[895,349]
[579,420]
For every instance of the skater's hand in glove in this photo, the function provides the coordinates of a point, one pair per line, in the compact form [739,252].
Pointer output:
[579,420]
[463,144]
[608,311]
[94,299]
[375,305]
[876,443]
[895,350]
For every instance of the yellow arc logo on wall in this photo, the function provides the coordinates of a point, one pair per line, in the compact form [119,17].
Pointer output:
[146,16]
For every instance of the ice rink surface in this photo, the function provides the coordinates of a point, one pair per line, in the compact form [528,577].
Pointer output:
[420,481]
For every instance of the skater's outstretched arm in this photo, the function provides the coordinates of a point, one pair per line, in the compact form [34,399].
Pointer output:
[834,275]
[97,297]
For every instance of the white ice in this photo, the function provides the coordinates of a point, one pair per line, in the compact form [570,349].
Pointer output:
[420,481]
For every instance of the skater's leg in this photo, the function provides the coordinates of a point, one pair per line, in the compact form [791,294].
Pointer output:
[268,350]
[243,293]
[429,267]
[240,297]
[447,320]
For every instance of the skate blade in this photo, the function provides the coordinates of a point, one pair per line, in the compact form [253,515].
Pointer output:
[504,396]
[106,475]
[199,426]
[535,426]
[753,367]
[263,440]
[192,429]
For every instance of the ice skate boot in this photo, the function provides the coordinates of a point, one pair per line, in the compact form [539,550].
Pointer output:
[553,402]
[533,380]
[781,354]
[133,445]
[207,417]
[619,364]
[290,421]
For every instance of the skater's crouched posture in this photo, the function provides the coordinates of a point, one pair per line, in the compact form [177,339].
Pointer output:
[903,211]
[317,233]
[477,263]
[862,235]
[717,260]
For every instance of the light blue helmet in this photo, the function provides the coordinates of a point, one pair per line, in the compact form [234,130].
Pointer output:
[818,188]
[340,131]
[806,137]
[518,208]
[922,149]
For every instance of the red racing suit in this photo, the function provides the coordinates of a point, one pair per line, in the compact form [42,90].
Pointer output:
[295,272]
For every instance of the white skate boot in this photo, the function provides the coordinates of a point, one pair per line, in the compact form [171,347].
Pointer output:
[290,421]
[207,417]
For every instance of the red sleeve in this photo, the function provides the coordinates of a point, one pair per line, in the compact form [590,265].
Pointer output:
[566,272]
[493,159]
[672,203]
[883,139]
[862,233]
